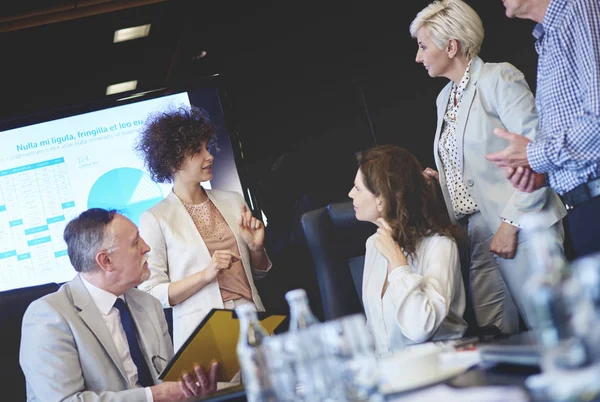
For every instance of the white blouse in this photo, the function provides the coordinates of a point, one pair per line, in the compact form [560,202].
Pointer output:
[463,202]
[423,301]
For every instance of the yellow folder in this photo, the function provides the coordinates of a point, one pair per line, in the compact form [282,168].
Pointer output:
[215,339]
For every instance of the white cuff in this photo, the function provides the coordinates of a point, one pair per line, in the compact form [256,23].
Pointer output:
[149,396]
[161,292]
[398,272]
[511,222]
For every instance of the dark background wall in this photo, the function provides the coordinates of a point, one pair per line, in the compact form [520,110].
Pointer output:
[299,75]
[312,83]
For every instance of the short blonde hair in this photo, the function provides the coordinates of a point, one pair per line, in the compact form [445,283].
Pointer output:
[451,19]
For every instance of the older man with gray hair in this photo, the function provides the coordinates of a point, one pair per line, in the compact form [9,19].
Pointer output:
[99,338]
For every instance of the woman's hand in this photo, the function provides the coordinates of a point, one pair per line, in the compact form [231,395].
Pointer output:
[431,173]
[181,290]
[221,259]
[504,242]
[252,230]
[388,247]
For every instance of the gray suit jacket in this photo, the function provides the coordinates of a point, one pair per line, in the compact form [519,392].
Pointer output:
[497,95]
[67,353]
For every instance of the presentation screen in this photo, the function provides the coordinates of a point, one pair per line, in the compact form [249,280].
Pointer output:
[52,171]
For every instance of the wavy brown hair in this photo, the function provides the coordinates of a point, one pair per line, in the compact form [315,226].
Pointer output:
[168,137]
[411,206]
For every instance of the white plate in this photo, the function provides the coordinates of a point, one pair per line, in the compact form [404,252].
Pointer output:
[442,374]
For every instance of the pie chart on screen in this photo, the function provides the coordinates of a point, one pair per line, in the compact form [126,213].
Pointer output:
[128,190]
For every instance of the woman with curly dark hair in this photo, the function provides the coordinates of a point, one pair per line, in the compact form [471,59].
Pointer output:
[206,247]
[412,284]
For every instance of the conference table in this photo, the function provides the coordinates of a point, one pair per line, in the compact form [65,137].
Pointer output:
[499,375]
[482,375]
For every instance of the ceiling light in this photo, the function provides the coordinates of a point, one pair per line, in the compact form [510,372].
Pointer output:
[140,94]
[121,35]
[200,55]
[121,87]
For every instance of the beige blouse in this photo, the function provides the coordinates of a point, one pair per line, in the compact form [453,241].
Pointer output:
[217,235]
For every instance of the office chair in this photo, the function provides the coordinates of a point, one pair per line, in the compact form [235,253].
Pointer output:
[336,241]
[13,304]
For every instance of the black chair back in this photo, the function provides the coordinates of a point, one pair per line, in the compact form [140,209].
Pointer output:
[13,304]
[336,241]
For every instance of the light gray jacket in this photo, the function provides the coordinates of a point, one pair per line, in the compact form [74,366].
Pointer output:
[67,353]
[497,95]
[178,250]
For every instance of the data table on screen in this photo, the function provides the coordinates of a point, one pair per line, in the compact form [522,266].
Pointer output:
[36,202]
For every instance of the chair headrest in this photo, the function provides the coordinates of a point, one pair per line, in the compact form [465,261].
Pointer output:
[350,233]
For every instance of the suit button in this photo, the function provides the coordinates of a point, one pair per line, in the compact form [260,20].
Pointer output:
[470,183]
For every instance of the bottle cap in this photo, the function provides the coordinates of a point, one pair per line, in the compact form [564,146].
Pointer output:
[245,309]
[296,294]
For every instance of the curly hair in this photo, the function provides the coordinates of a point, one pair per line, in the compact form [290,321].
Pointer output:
[169,136]
[411,206]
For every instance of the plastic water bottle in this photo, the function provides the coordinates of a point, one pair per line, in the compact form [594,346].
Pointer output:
[251,357]
[301,316]
[547,305]
[303,349]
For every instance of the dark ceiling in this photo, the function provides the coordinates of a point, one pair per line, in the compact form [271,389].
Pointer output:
[295,72]
[73,60]
[58,52]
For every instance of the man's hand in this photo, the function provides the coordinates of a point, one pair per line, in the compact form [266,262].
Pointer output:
[167,391]
[515,154]
[504,242]
[197,383]
[525,179]
[252,230]
[200,383]
[388,247]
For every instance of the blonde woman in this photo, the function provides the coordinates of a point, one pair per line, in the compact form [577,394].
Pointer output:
[479,98]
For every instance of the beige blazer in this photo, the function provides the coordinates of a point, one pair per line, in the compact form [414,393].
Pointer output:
[497,95]
[67,353]
[177,251]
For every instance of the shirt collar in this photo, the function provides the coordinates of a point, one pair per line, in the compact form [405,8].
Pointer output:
[553,13]
[551,18]
[102,299]
[538,31]
[466,76]
[458,89]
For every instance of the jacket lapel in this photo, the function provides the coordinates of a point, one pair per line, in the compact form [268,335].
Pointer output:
[227,214]
[146,332]
[186,223]
[442,102]
[465,109]
[91,316]
[231,217]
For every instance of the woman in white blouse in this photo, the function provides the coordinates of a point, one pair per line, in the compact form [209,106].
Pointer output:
[479,98]
[206,247]
[412,285]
